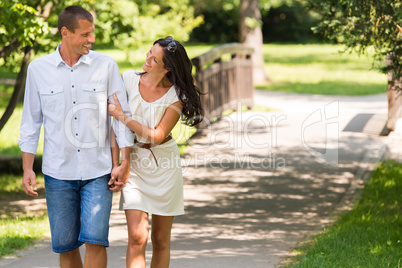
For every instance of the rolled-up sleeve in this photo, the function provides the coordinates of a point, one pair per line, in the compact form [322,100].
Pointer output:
[32,117]
[124,135]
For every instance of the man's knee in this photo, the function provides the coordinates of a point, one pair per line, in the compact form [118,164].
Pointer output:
[94,248]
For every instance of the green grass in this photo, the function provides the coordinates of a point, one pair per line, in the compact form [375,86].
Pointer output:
[320,69]
[19,229]
[20,232]
[10,134]
[370,235]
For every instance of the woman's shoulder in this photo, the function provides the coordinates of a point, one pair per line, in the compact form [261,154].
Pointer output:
[131,79]
[131,74]
[172,95]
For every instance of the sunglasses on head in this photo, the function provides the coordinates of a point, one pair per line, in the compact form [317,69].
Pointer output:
[172,46]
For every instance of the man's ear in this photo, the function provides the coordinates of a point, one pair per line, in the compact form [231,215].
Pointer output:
[64,31]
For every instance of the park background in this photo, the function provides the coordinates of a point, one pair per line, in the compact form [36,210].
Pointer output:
[300,45]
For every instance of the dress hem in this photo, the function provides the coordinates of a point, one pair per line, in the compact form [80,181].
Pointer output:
[155,213]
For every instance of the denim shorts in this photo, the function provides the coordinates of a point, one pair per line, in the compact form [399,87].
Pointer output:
[79,212]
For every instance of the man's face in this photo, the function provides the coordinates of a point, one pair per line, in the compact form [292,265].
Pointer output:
[81,39]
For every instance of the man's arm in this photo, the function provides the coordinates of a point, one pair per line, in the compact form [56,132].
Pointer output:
[29,179]
[124,135]
[31,123]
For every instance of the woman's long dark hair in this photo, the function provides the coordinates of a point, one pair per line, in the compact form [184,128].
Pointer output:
[179,66]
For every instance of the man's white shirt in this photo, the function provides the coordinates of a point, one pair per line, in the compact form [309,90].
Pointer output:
[71,102]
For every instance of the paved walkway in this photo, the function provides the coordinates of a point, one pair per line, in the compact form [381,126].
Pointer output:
[258,182]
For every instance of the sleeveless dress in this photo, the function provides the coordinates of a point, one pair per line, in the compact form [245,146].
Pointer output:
[156,188]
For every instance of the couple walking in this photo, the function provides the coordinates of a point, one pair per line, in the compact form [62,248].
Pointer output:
[74,92]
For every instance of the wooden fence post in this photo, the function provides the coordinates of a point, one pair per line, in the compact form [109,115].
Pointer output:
[226,83]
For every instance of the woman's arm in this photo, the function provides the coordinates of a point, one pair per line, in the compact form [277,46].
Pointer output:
[154,136]
[115,149]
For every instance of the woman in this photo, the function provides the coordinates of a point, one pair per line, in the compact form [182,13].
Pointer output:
[157,97]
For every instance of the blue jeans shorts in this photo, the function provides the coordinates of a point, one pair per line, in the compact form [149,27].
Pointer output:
[79,212]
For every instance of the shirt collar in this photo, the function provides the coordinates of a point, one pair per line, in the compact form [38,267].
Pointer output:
[86,59]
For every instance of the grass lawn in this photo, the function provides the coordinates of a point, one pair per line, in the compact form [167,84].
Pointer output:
[20,232]
[370,235]
[320,69]
[19,229]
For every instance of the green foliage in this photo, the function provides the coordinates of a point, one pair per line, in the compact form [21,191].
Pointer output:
[362,24]
[18,21]
[133,27]
[289,22]
[282,20]
[370,234]
[126,24]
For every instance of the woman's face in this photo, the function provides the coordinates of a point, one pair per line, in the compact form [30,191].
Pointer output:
[154,61]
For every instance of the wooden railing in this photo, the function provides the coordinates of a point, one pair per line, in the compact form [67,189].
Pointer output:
[226,84]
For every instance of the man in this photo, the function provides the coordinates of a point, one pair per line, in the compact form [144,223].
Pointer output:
[68,91]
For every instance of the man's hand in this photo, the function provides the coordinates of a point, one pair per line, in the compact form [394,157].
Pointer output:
[119,176]
[29,183]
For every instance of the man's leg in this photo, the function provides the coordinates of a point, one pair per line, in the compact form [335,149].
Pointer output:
[95,256]
[96,204]
[71,259]
[63,204]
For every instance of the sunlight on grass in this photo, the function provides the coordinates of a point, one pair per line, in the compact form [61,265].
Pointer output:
[367,236]
[20,232]
[320,69]
[19,229]
[10,134]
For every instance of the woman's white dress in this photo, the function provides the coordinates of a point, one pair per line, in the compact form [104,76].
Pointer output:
[155,189]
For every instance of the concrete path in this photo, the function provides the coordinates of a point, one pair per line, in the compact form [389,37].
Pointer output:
[258,182]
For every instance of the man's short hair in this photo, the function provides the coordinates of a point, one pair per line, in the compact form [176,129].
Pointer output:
[69,18]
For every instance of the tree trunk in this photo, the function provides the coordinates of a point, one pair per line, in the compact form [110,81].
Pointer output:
[250,11]
[394,97]
[18,87]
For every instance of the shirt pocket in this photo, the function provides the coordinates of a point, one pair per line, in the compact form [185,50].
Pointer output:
[52,98]
[94,93]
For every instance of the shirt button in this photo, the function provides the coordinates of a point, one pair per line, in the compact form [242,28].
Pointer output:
[51,91]
[72,86]
[79,150]
[72,71]
[94,89]
[73,102]
[76,134]
[75,118]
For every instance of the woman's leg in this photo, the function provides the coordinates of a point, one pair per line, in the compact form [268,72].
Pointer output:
[137,225]
[161,229]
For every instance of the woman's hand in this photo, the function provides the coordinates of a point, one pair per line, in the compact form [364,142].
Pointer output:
[115,109]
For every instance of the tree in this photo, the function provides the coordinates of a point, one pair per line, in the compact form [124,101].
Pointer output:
[250,33]
[367,24]
[133,26]
[20,26]
[364,24]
